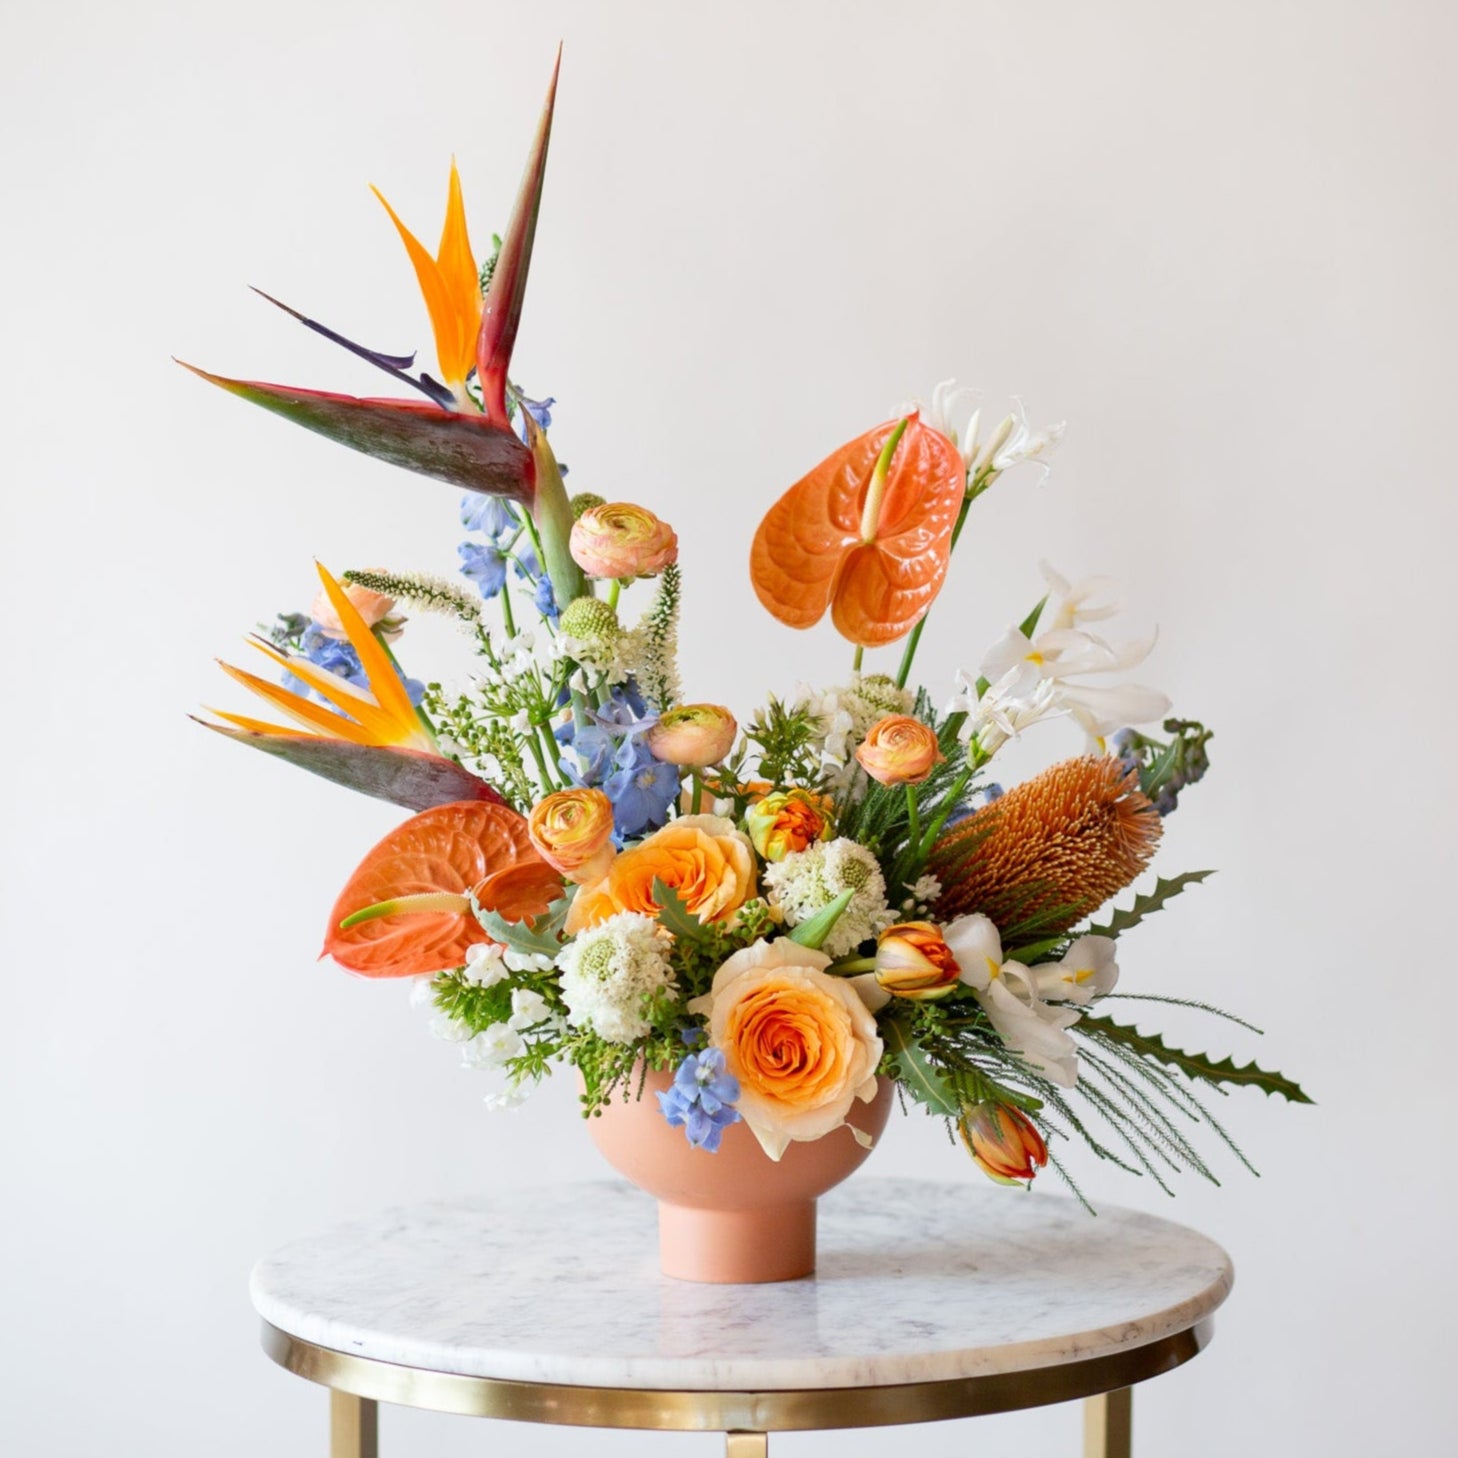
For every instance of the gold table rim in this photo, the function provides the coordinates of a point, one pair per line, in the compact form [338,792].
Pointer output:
[714,1410]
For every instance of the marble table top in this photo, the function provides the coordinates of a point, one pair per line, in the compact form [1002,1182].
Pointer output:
[918,1281]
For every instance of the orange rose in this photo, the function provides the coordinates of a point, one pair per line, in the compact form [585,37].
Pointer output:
[1004,1142]
[899,750]
[914,961]
[787,821]
[704,859]
[801,1043]
[573,831]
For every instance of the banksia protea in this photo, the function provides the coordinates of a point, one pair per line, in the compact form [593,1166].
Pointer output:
[1050,851]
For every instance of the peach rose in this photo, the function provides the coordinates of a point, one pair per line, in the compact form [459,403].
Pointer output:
[914,961]
[693,735]
[622,540]
[373,607]
[573,831]
[899,750]
[787,821]
[704,859]
[801,1043]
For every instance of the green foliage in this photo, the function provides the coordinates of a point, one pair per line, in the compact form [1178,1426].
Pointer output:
[539,938]
[1146,904]
[908,1062]
[1193,1065]
[474,1007]
[785,734]
[812,933]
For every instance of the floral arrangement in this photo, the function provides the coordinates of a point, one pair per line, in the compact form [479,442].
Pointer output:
[767,915]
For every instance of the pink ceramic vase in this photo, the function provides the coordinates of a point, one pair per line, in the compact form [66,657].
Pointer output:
[736,1215]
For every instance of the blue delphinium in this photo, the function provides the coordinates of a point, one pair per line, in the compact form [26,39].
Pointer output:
[641,789]
[336,656]
[490,515]
[485,566]
[701,1099]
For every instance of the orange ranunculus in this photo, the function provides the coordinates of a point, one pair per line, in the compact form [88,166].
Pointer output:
[913,961]
[373,607]
[801,1043]
[702,857]
[693,735]
[620,540]
[573,830]
[787,821]
[1004,1142]
[868,539]
[899,750]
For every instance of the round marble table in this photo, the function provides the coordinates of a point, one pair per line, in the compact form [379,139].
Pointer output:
[930,1301]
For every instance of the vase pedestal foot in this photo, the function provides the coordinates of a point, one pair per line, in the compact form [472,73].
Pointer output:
[767,1243]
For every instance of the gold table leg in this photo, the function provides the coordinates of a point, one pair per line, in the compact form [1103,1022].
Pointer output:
[354,1426]
[746,1445]
[1108,1421]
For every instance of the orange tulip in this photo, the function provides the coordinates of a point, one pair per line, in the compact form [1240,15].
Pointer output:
[867,534]
[1004,1142]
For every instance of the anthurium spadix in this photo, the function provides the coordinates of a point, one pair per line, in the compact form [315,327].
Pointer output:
[448,437]
[372,742]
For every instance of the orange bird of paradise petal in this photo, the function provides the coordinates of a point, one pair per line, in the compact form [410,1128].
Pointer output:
[448,852]
[451,285]
[872,549]
[383,718]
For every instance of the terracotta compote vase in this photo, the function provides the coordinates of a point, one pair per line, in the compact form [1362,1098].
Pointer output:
[735,1215]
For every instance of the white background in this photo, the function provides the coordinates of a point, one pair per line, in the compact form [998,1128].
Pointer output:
[1219,240]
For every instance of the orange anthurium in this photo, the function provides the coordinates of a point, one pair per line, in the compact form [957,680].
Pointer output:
[451,284]
[417,885]
[866,534]
[384,717]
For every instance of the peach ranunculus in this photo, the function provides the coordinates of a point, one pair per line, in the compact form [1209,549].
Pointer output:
[373,607]
[693,735]
[899,750]
[572,830]
[702,857]
[801,1043]
[620,540]
[787,821]
[914,961]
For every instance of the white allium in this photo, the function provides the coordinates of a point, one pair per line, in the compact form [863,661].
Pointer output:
[807,881]
[485,966]
[926,889]
[448,1030]
[611,971]
[422,991]
[513,1096]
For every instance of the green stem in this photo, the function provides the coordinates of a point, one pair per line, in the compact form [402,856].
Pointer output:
[904,672]
[848,966]
[507,616]
[913,814]
[856,661]
[547,782]
[953,799]
[614,588]
[698,799]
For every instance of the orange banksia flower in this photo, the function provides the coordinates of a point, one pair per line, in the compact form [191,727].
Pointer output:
[1051,850]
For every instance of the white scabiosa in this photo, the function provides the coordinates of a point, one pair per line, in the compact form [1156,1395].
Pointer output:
[808,881]
[610,974]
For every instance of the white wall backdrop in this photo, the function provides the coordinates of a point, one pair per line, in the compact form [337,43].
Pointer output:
[1219,240]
